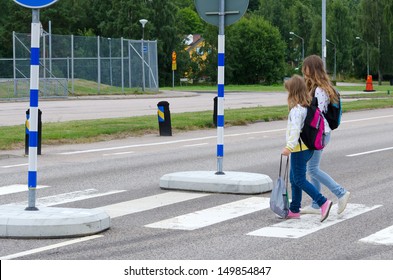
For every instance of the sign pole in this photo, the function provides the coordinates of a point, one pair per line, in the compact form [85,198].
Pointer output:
[34,90]
[35,5]
[220,88]
[174,67]
[229,11]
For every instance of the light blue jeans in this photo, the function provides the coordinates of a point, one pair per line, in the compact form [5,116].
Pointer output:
[318,177]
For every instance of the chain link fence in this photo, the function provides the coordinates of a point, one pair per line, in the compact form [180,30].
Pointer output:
[99,65]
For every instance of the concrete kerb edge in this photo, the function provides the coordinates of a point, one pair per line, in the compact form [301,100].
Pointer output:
[207,181]
[50,222]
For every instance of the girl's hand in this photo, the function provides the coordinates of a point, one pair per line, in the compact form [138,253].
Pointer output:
[286,152]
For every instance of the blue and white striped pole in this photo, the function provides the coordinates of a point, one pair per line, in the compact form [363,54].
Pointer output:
[220,89]
[34,90]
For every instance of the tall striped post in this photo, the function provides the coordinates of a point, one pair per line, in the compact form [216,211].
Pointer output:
[220,89]
[34,89]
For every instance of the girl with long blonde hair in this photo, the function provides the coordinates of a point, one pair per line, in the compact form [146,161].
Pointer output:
[319,85]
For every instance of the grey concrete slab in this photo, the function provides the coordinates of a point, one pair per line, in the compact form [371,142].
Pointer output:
[51,222]
[208,181]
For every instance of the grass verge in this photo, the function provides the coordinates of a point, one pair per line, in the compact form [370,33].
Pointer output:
[12,137]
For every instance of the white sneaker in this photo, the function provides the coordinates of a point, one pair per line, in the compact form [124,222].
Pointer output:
[310,210]
[342,202]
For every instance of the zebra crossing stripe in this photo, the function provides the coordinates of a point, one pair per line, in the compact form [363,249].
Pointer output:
[382,237]
[16,188]
[308,224]
[148,203]
[69,197]
[213,215]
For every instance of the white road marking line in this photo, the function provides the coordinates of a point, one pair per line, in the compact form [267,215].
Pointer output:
[382,237]
[367,119]
[210,216]
[308,224]
[118,210]
[17,188]
[50,247]
[117,154]
[15,165]
[148,203]
[195,145]
[68,197]
[370,152]
[166,143]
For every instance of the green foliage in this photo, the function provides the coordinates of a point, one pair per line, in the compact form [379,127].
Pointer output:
[105,129]
[251,59]
[171,20]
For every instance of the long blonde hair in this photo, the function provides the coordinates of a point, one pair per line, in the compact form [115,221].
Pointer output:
[297,92]
[316,76]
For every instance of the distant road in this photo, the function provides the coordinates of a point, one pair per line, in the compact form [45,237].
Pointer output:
[14,113]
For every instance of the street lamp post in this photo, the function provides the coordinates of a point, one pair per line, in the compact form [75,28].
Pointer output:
[110,60]
[335,58]
[143,22]
[368,63]
[294,34]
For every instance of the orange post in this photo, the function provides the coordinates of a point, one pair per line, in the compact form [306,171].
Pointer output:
[369,84]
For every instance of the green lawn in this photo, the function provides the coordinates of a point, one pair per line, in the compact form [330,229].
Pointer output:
[107,129]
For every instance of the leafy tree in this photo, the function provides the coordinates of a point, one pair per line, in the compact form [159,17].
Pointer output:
[340,26]
[255,52]
[189,22]
[374,32]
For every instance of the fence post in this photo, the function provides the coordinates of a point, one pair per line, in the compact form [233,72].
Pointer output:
[122,64]
[72,63]
[98,65]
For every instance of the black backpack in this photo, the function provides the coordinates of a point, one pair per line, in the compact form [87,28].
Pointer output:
[333,114]
[313,132]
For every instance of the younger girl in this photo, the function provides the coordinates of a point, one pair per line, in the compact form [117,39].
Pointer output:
[298,100]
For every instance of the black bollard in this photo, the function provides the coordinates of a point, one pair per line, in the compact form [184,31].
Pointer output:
[215,112]
[27,126]
[164,118]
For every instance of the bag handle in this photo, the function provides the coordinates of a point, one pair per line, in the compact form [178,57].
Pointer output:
[286,168]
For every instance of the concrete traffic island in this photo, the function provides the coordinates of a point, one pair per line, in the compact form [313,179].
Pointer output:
[208,181]
[51,222]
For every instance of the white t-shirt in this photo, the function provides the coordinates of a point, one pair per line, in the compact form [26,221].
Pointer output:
[323,102]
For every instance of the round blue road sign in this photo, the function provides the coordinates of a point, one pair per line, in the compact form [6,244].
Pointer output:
[35,4]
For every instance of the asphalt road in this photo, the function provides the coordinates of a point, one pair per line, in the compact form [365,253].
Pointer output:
[14,113]
[128,171]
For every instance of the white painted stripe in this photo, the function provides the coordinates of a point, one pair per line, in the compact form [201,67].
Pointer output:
[221,43]
[382,237]
[370,152]
[220,106]
[69,197]
[15,165]
[307,224]
[118,154]
[50,247]
[33,158]
[214,215]
[35,35]
[33,119]
[17,188]
[220,75]
[368,119]
[34,76]
[195,145]
[220,135]
[169,142]
[148,203]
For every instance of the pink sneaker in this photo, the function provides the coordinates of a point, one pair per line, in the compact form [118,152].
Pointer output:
[292,215]
[325,208]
